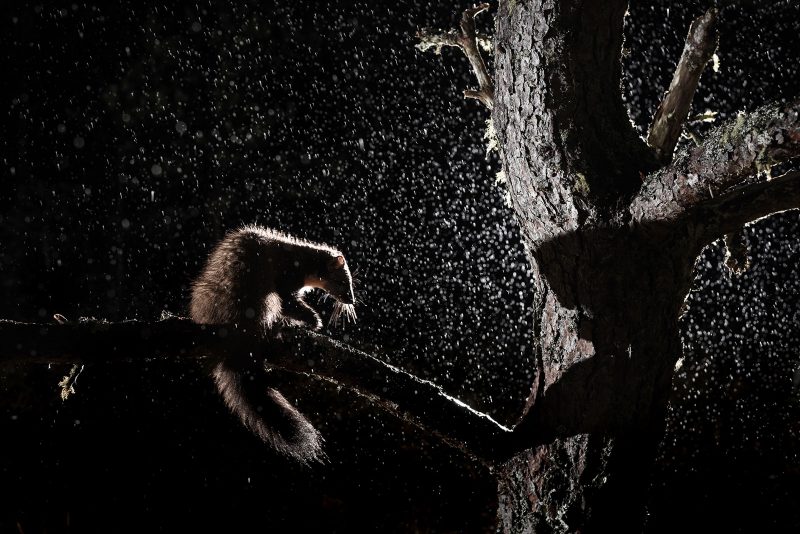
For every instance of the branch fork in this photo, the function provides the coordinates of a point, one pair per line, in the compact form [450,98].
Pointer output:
[722,183]
[701,43]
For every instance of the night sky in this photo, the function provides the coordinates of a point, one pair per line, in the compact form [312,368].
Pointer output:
[134,135]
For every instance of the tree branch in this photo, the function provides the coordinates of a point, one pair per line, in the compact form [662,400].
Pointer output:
[731,165]
[728,213]
[667,123]
[468,40]
[411,399]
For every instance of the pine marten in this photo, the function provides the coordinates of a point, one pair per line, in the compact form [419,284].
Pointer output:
[256,277]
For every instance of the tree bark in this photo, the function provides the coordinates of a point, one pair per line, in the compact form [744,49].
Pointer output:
[612,240]
[667,124]
[607,289]
[411,399]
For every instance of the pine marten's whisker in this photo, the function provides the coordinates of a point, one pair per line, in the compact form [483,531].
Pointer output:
[223,293]
[343,313]
[336,315]
[350,310]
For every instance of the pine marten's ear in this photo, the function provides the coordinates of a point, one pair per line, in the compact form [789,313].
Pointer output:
[337,262]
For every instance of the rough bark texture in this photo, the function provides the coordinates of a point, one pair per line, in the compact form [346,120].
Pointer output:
[733,159]
[612,248]
[608,284]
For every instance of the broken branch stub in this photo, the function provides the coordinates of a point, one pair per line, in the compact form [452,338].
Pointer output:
[470,43]
[701,43]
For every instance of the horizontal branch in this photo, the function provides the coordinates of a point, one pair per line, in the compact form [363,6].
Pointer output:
[412,399]
[728,213]
[733,158]
[470,42]
[665,129]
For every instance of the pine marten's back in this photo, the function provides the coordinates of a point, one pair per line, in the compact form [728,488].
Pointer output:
[258,276]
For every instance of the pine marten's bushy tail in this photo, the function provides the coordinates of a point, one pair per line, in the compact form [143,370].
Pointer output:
[266,412]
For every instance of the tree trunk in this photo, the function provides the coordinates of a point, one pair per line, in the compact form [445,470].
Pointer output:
[607,290]
[607,339]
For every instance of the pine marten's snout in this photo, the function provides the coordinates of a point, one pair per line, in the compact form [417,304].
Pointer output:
[347,298]
[337,280]
[341,291]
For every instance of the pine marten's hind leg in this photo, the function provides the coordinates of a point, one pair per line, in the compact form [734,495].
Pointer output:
[297,311]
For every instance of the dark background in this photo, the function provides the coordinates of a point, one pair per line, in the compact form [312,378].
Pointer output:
[135,134]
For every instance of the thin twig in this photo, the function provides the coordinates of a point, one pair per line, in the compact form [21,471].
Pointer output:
[470,42]
[667,123]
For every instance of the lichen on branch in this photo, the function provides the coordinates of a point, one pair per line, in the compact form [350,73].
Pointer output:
[725,182]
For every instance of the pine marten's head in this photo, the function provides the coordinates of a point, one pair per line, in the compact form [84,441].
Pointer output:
[334,278]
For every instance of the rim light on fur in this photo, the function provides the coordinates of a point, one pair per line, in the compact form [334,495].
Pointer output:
[343,313]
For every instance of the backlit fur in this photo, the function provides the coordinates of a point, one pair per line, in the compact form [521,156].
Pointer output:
[256,277]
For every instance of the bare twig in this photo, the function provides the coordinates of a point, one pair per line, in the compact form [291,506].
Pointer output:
[412,399]
[469,41]
[731,164]
[667,123]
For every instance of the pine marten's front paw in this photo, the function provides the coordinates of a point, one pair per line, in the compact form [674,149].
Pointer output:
[301,314]
[316,322]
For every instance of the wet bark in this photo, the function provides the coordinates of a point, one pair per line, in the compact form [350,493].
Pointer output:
[612,238]
[608,288]
[667,125]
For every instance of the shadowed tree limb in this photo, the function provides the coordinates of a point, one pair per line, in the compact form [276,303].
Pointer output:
[732,163]
[468,40]
[413,400]
[667,123]
[728,213]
